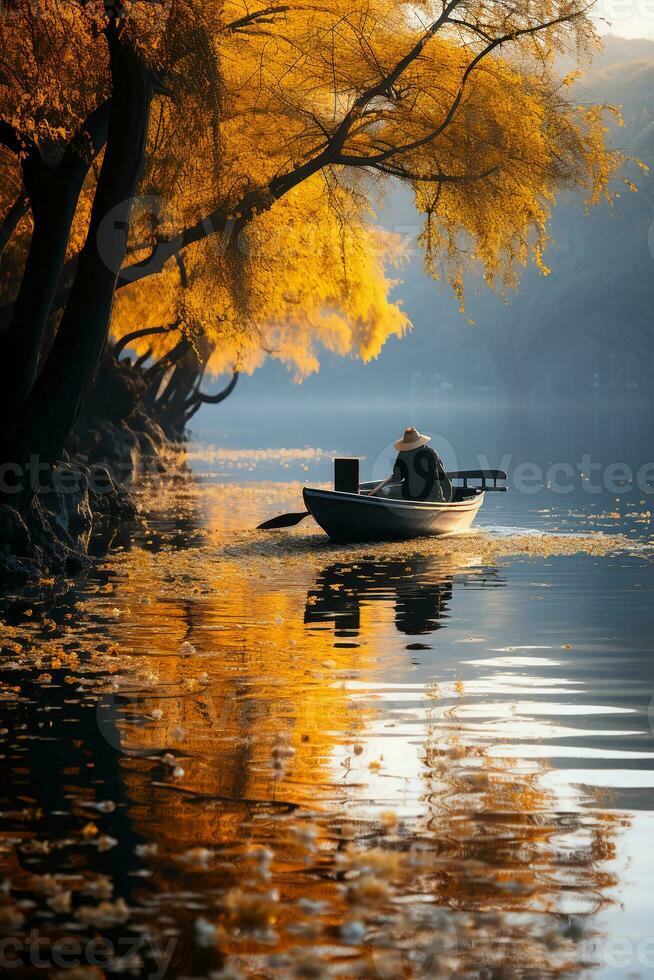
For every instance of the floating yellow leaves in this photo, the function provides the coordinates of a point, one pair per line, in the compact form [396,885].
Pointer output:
[196,858]
[105,914]
[252,913]
[11,919]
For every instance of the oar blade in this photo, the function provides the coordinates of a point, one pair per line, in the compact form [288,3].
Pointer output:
[283,520]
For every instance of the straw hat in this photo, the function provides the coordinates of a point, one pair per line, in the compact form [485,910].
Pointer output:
[411,440]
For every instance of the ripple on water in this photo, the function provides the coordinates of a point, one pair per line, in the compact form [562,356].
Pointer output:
[277,755]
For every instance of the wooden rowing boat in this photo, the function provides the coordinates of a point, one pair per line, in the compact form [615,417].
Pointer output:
[360,517]
[348,514]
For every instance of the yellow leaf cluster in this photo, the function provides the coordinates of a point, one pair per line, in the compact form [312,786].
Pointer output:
[307,274]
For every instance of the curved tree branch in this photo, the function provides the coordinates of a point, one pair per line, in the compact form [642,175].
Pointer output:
[155,373]
[221,220]
[385,85]
[265,16]
[433,134]
[198,399]
[129,338]
[181,265]
[143,358]
[220,396]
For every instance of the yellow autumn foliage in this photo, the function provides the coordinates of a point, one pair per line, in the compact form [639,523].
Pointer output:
[309,273]
[277,129]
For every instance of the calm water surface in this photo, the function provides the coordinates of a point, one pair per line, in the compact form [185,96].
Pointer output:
[230,755]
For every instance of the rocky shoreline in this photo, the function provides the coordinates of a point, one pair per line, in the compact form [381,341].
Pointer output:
[89,498]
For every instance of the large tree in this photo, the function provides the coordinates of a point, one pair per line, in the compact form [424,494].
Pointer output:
[217,164]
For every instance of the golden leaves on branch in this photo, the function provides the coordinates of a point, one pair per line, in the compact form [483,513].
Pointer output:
[275,133]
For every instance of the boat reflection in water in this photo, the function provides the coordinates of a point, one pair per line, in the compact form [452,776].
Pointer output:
[246,772]
[420,595]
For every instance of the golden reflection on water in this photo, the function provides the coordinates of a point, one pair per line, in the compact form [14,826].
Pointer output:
[277,794]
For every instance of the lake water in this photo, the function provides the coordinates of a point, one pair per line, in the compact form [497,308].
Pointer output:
[236,754]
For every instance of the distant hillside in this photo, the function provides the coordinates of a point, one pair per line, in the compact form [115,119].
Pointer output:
[615,51]
[620,50]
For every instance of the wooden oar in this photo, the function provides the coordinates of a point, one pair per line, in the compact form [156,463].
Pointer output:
[290,520]
[283,520]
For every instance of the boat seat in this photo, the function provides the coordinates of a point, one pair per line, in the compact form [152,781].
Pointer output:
[394,492]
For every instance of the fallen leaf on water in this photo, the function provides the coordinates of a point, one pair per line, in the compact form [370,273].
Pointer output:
[197,858]
[104,914]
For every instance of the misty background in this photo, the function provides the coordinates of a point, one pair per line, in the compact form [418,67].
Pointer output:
[564,366]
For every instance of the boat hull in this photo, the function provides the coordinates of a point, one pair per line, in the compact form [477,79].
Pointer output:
[358,517]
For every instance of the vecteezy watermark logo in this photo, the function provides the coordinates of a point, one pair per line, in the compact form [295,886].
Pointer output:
[96,478]
[41,477]
[586,474]
[148,211]
[525,476]
[137,723]
[619,953]
[122,716]
[140,955]
[528,477]
[154,218]
[617,12]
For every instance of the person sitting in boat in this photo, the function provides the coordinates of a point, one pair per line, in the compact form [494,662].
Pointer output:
[419,471]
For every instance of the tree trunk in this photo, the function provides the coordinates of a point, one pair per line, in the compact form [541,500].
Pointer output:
[21,347]
[53,195]
[55,399]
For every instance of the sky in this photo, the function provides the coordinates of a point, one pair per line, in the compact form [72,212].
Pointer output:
[626,18]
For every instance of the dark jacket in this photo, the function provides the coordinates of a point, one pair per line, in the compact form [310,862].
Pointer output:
[422,475]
